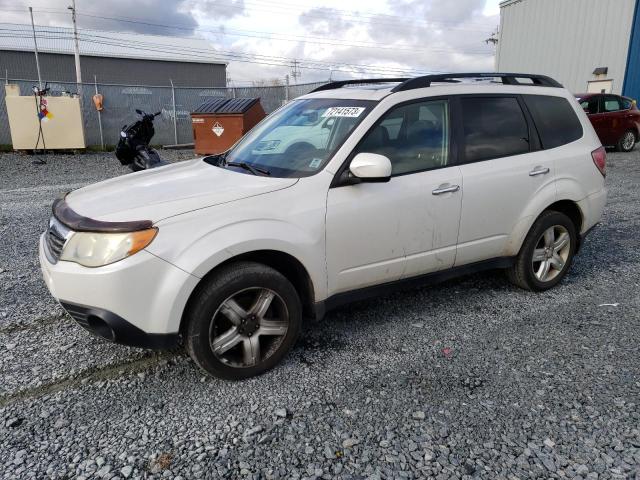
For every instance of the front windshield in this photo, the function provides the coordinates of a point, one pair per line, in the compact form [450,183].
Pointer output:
[299,139]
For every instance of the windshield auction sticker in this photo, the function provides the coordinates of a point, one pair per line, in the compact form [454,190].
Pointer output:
[315,163]
[351,112]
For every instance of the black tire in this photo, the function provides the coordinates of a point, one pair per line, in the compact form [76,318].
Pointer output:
[625,144]
[230,281]
[522,272]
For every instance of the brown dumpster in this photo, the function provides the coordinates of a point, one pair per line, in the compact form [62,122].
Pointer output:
[221,122]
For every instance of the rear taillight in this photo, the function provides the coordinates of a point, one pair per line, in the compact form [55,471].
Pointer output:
[600,160]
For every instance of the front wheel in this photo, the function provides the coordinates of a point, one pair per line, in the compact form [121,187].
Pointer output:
[627,142]
[243,321]
[547,253]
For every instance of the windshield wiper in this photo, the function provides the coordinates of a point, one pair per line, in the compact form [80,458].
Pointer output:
[250,168]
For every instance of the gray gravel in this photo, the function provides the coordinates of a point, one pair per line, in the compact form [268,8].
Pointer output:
[469,379]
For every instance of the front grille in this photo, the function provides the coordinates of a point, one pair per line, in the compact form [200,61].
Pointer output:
[55,238]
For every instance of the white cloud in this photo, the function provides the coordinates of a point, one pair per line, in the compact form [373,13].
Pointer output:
[389,37]
[414,36]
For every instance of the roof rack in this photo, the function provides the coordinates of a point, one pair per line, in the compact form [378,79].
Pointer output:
[360,81]
[507,79]
[427,80]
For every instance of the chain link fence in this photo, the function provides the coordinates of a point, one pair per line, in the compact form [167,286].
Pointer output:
[121,101]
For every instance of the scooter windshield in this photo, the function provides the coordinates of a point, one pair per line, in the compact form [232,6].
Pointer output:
[299,139]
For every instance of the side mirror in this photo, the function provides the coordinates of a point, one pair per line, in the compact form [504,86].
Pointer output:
[371,167]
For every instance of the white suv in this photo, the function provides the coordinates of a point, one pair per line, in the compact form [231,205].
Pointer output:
[416,180]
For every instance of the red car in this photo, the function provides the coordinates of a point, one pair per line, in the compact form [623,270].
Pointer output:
[616,119]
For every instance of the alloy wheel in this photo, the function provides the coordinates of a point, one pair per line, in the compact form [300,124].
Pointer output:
[248,327]
[551,253]
[628,141]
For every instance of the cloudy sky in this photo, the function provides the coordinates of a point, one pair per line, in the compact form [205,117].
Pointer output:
[359,38]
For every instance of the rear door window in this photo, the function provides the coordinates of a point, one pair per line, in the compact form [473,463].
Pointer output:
[555,120]
[493,127]
[611,104]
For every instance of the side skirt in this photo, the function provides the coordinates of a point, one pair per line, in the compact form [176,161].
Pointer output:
[344,298]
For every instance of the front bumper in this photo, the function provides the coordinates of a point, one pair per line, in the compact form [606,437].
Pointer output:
[111,327]
[137,301]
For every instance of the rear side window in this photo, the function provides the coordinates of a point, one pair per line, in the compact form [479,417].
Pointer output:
[611,104]
[555,120]
[493,127]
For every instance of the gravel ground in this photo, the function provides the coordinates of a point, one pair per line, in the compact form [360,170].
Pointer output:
[469,379]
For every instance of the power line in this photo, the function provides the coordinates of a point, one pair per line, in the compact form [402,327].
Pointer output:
[275,60]
[53,33]
[240,57]
[278,37]
[207,54]
[355,16]
[281,37]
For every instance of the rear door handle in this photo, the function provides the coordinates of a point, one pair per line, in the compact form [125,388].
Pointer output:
[539,171]
[442,189]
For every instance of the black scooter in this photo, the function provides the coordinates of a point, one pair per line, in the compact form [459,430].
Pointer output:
[133,147]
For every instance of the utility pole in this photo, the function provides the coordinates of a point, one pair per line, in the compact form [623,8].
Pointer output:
[295,71]
[95,83]
[35,46]
[77,49]
[286,89]
[494,37]
[175,120]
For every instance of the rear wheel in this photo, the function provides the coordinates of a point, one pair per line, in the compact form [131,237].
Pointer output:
[547,252]
[243,321]
[627,142]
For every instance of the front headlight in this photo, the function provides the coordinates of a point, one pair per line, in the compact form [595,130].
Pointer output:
[97,249]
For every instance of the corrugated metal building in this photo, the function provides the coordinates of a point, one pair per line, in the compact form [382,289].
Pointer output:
[113,57]
[587,45]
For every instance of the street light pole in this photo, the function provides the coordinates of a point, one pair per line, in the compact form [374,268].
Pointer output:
[35,46]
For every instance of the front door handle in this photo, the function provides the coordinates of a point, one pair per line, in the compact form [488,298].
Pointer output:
[539,171]
[442,189]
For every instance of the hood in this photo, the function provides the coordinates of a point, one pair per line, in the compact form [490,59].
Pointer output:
[167,191]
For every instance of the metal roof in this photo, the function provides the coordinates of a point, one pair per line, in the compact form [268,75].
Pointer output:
[227,105]
[99,43]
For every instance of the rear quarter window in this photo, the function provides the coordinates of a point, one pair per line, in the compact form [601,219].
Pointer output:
[555,120]
[493,127]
